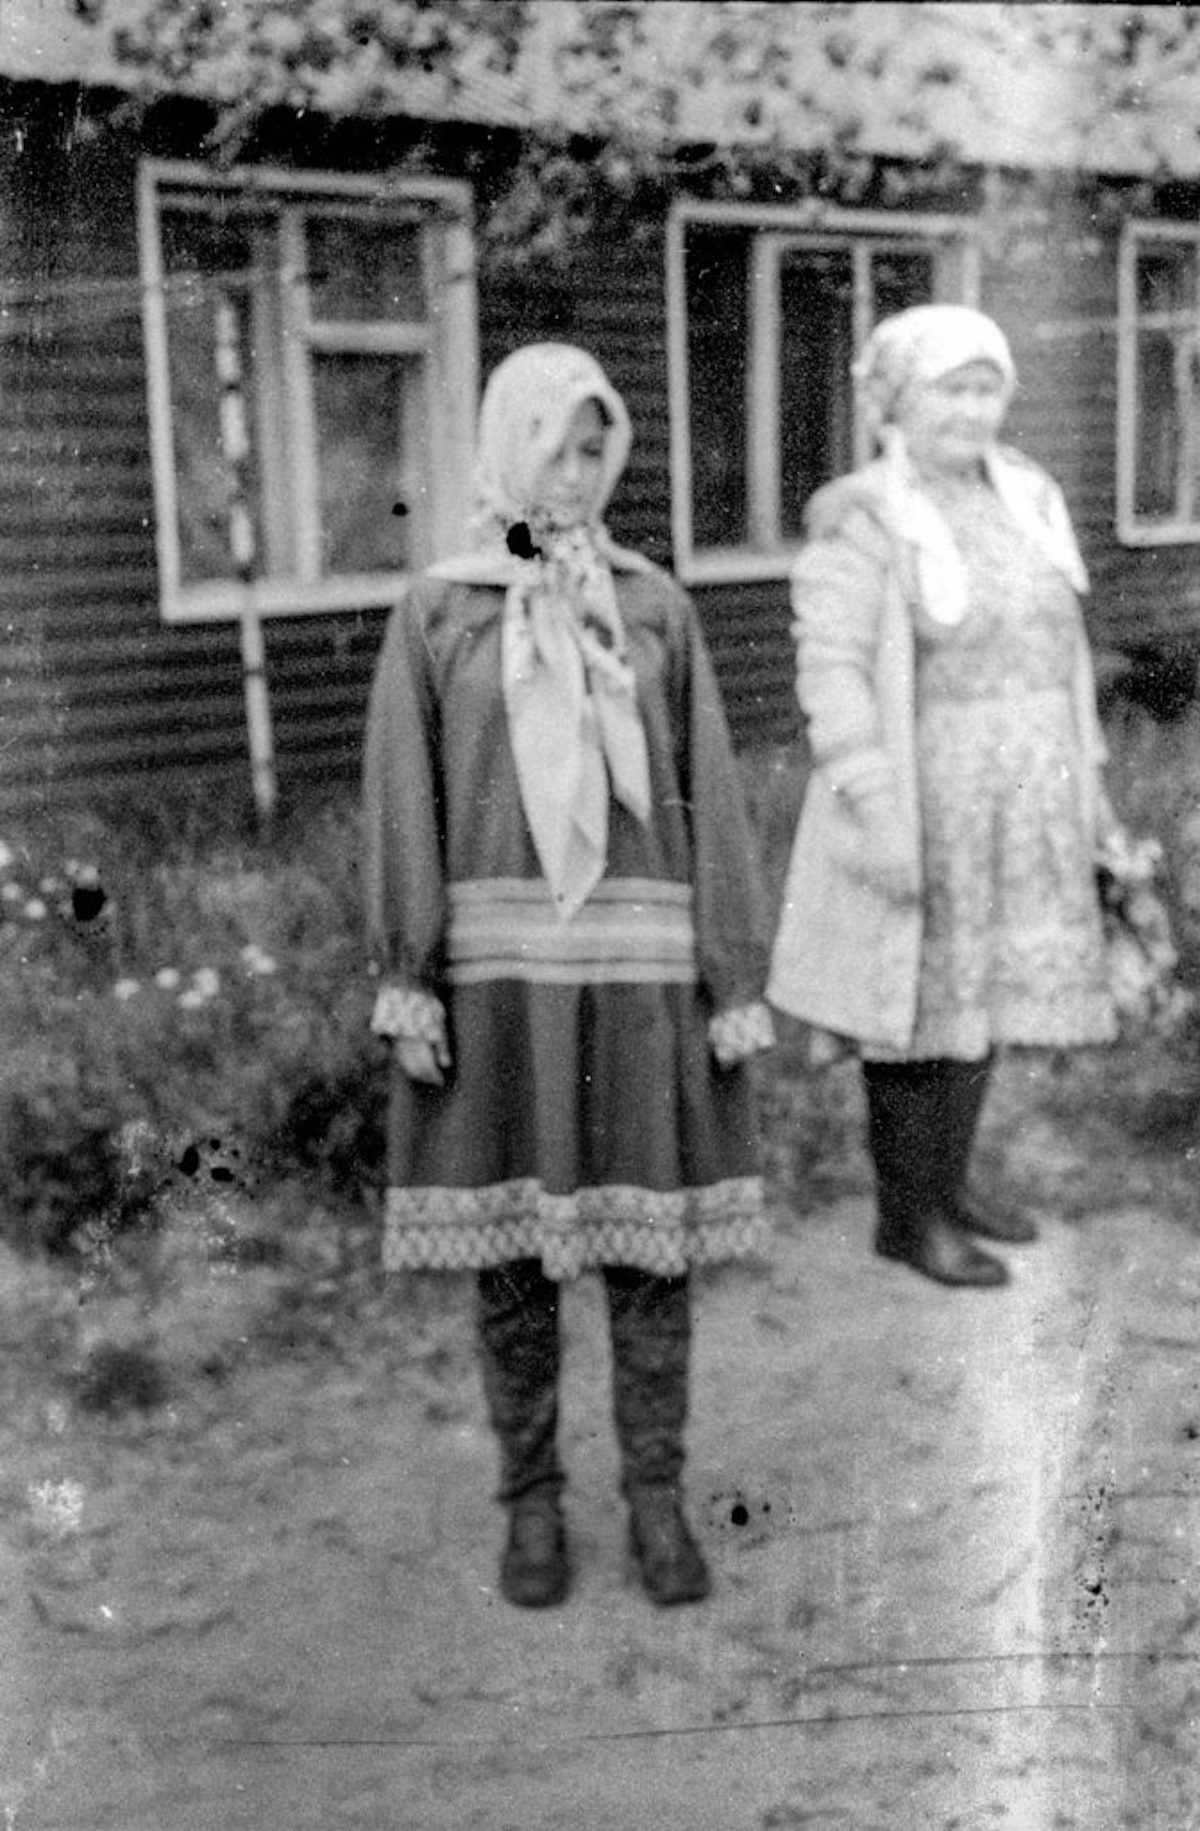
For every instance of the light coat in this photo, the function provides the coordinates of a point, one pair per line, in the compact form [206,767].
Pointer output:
[847,953]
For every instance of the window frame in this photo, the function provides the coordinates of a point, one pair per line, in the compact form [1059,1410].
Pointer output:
[955,242]
[1131,530]
[448,340]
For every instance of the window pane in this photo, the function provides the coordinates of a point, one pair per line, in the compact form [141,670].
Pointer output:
[1164,277]
[715,269]
[215,241]
[900,277]
[816,430]
[1165,430]
[364,268]
[220,266]
[213,475]
[1157,432]
[371,456]
[816,348]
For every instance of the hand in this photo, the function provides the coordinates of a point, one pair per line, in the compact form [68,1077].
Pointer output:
[422,1060]
[415,1020]
[740,1032]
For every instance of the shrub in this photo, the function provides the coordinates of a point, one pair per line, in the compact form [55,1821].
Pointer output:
[186,996]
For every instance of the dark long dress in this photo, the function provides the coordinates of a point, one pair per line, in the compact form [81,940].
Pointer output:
[584,1121]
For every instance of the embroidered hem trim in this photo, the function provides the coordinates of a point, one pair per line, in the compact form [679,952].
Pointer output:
[442,1229]
[631,930]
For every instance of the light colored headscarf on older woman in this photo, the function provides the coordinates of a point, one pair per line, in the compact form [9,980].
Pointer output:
[569,689]
[910,351]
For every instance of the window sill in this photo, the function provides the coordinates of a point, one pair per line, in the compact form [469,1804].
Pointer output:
[225,601]
[1167,534]
[735,566]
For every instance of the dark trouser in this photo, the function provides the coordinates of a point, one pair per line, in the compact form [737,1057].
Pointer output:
[650,1331]
[921,1124]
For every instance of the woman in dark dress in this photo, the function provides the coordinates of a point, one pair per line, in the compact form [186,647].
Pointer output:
[564,907]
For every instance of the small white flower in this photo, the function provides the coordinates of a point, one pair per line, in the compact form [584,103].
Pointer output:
[11,892]
[206,981]
[35,909]
[50,886]
[125,989]
[57,1505]
[167,978]
[256,960]
[86,876]
[192,999]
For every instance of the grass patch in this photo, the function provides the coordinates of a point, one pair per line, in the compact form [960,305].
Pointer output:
[191,1105]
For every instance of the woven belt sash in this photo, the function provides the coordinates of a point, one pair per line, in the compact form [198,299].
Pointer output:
[631,930]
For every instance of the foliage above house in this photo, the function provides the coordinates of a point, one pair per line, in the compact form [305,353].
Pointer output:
[1105,87]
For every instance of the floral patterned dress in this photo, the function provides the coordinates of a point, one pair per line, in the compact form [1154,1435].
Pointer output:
[1012,948]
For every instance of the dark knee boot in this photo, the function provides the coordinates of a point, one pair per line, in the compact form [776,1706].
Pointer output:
[650,1326]
[966,1088]
[909,1140]
[519,1351]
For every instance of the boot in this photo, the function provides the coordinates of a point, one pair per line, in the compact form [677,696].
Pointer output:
[534,1569]
[965,1088]
[669,1561]
[519,1351]
[650,1327]
[907,1133]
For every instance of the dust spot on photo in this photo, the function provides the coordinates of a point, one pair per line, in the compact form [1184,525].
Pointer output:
[744,1517]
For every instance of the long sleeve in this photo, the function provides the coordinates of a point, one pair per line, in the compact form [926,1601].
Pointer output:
[730,901]
[838,591]
[402,859]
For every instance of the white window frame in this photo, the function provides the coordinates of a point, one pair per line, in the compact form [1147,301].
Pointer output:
[776,230]
[1131,531]
[449,338]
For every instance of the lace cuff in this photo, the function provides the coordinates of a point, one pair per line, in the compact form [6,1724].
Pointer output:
[741,1032]
[408,1012]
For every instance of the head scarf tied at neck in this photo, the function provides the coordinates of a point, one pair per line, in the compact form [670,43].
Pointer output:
[528,404]
[913,350]
[569,690]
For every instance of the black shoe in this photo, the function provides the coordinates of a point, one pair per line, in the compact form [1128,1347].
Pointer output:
[534,1570]
[1008,1225]
[668,1558]
[941,1251]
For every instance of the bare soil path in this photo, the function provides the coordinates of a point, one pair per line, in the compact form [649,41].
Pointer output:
[955,1539]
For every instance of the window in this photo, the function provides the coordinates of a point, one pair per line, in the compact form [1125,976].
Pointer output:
[1158,384]
[312,382]
[766,313]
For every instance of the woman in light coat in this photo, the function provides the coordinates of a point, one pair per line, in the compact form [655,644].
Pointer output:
[941,900]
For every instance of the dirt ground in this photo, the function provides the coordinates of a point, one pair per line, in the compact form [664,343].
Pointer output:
[954,1538]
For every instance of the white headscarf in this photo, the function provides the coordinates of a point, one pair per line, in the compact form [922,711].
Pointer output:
[921,345]
[527,406]
[911,350]
[569,691]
